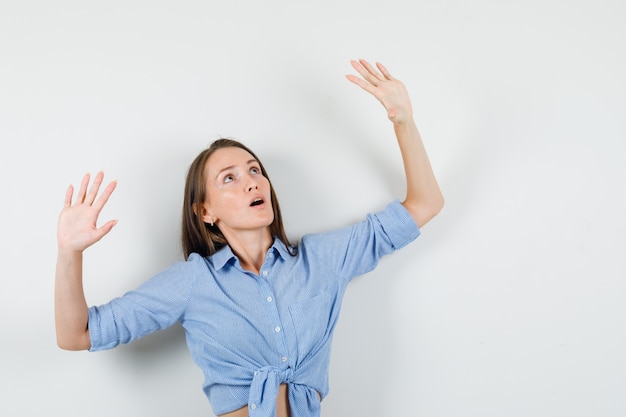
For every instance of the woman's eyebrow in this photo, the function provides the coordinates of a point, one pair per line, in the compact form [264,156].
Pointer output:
[224,169]
[228,168]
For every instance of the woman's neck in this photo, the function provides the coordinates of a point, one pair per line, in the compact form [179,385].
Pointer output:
[250,247]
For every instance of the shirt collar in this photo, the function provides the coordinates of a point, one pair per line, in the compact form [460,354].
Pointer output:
[280,249]
[222,257]
[225,255]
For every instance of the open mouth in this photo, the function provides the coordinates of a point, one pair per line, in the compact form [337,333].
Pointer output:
[256,202]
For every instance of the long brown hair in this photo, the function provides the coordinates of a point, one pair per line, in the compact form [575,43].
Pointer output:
[200,237]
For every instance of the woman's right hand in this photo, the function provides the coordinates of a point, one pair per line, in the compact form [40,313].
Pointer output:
[77,226]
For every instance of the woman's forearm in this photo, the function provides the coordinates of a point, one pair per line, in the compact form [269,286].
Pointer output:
[423,197]
[70,307]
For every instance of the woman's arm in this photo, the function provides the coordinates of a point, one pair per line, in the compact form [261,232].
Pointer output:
[77,231]
[423,197]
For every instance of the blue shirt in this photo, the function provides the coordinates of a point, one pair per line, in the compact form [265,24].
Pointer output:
[249,333]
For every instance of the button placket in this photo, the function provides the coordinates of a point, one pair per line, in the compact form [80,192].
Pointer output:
[281,343]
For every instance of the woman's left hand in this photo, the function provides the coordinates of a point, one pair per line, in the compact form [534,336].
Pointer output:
[390,92]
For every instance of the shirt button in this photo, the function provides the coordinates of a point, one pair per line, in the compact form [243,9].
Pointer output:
[269,299]
[284,359]
[253,406]
[264,273]
[277,329]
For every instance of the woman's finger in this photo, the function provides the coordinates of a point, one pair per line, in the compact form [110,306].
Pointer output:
[82,191]
[384,71]
[365,70]
[93,191]
[369,87]
[370,69]
[68,195]
[104,197]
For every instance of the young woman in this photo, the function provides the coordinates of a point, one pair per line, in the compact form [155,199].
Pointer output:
[259,313]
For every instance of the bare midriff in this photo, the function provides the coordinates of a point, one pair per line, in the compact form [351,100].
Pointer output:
[282,405]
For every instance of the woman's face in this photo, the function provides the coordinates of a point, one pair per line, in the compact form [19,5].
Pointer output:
[239,196]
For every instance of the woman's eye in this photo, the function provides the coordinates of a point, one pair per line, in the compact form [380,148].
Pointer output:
[229,178]
[255,170]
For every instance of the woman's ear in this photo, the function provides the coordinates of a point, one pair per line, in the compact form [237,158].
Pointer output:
[204,214]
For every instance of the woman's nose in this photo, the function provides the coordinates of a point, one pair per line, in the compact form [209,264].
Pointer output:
[252,185]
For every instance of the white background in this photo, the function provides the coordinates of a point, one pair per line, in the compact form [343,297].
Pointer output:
[511,303]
